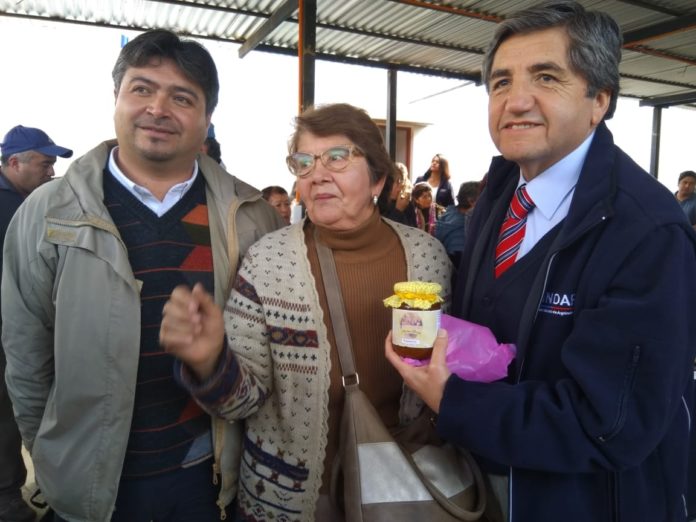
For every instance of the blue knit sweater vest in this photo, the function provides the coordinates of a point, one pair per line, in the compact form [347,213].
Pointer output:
[168,429]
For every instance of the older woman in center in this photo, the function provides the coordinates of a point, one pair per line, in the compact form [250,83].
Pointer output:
[277,367]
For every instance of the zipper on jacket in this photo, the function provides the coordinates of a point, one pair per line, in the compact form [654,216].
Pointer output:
[219,502]
[536,311]
[688,414]
[613,487]
[628,384]
[218,435]
[689,428]
[546,280]
[221,506]
[216,472]
[521,370]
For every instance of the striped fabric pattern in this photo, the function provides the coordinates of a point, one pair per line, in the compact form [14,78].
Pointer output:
[512,231]
[169,429]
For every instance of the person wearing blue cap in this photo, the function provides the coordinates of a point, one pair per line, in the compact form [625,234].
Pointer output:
[91,259]
[27,156]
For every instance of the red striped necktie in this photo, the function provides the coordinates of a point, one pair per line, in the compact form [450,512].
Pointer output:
[512,231]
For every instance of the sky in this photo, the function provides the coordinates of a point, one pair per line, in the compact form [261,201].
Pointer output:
[61,82]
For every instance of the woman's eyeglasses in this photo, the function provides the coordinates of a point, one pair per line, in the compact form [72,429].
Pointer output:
[336,159]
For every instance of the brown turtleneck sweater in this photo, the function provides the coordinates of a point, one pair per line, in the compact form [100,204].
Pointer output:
[369,260]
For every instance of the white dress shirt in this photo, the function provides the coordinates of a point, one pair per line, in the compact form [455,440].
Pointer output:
[552,191]
[144,195]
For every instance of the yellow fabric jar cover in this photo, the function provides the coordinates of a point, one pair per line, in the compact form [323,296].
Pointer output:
[416,294]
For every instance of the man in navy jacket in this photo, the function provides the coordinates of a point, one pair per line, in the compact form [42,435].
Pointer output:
[593,422]
[27,156]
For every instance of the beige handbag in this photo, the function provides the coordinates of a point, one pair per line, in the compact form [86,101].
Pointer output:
[376,478]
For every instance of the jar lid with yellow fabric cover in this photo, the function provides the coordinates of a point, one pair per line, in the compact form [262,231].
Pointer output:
[415,317]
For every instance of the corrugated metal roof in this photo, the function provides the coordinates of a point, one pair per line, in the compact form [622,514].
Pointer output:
[445,38]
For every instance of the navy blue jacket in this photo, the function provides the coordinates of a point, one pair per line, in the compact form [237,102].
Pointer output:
[594,420]
[444,196]
[10,200]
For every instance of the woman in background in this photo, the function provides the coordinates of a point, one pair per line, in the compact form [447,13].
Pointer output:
[427,211]
[438,177]
[395,200]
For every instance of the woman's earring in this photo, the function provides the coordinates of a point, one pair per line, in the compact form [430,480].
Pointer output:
[374,200]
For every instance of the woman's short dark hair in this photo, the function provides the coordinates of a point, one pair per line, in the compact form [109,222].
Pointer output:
[419,189]
[192,58]
[353,123]
[273,189]
[594,48]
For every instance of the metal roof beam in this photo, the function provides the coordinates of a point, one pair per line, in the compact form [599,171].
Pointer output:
[667,101]
[663,54]
[440,73]
[402,39]
[652,7]
[658,81]
[210,7]
[450,10]
[284,11]
[653,32]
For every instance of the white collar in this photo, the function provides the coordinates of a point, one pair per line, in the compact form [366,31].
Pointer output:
[549,189]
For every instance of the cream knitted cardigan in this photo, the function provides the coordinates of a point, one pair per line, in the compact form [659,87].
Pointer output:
[275,329]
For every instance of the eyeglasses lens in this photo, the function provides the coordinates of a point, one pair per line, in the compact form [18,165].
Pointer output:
[335,159]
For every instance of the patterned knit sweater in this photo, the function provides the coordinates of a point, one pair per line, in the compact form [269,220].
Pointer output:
[168,430]
[279,376]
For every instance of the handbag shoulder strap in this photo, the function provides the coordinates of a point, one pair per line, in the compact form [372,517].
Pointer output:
[337,311]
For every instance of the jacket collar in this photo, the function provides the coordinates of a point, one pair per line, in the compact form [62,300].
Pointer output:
[6,184]
[85,194]
[594,193]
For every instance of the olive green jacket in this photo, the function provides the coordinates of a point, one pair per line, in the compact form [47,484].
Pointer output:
[71,329]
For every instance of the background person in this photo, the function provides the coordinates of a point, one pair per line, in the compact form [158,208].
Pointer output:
[278,367]
[426,210]
[685,195]
[89,262]
[438,177]
[451,227]
[395,200]
[278,198]
[27,156]
[211,146]
[593,422]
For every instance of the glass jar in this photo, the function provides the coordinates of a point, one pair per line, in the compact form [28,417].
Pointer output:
[415,318]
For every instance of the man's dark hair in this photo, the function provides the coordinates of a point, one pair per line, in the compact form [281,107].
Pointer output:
[467,195]
[214,150]
[192,58]
[594,43]
[687,173]
[273,189]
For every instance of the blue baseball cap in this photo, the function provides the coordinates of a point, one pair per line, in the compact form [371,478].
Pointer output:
[21,139]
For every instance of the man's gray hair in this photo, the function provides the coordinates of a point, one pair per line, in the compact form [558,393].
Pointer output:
[22,157]
[594,48]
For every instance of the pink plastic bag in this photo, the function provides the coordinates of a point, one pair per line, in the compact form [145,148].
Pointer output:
[473,353]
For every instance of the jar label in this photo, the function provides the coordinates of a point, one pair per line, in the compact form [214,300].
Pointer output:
[415,328]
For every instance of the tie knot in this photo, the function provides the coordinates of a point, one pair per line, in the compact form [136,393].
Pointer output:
[521,204]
